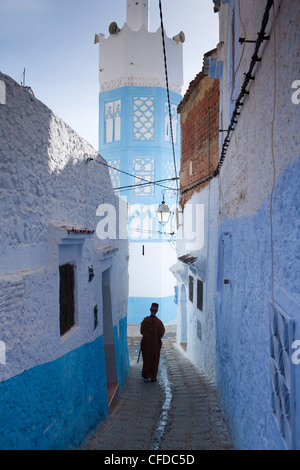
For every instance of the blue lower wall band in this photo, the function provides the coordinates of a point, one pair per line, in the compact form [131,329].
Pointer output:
[55,405]
[139,308]
[242,310]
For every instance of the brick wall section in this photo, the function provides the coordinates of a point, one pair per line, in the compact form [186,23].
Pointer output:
[199,111]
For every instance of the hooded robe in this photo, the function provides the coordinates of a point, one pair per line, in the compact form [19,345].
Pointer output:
[152,330]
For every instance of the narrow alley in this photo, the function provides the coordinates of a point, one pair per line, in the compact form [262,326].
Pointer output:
[179,412]
[186,200]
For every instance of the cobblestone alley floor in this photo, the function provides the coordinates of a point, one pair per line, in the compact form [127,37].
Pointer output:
[178,412]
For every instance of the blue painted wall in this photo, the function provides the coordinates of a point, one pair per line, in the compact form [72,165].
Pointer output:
[242,310]
[53,406]
[139,308]
[122,354]
[125,150]
[128,148]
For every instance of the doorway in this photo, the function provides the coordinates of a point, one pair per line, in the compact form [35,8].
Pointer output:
[183,318]
[109,343]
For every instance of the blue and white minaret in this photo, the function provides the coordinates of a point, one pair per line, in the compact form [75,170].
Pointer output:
[135,137]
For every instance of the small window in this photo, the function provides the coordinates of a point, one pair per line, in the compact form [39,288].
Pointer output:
[200,295]
[96,321]
[199,330]
[66,297]
[2,353]
[191,288]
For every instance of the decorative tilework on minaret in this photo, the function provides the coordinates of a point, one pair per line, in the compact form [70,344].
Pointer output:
[134,136]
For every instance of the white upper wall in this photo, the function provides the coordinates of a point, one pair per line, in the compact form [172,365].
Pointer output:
[134,56]
[137,14]
[47,185]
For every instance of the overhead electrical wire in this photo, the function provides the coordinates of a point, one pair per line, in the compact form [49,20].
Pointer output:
[150,232]
[239,103]
[147,182]
[89,159]
[168,92]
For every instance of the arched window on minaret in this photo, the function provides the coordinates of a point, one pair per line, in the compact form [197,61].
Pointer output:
[135,221]
[109,123]
[174,119]
[112,121]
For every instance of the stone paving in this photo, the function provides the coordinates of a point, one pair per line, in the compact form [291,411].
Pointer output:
[178,412]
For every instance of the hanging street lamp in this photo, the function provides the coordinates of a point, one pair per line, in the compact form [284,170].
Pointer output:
[163,212]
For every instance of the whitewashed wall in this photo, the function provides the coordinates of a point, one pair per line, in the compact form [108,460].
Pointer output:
[198,238]
[258,240]
[48,183]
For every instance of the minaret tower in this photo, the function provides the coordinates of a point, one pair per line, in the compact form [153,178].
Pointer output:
[137,14]
[135,137]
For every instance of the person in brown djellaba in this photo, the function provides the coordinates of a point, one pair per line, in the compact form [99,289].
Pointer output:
[152,329]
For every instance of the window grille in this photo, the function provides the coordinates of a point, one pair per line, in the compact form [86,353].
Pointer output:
[143,168]
[170,173]
[282,373]
[143,118]
[114,173]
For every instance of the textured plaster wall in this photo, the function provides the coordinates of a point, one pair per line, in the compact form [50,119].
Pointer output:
[42,409]
[265,140]
[199,117]
[46,183]
[243,332]
[251,228]
[197,327]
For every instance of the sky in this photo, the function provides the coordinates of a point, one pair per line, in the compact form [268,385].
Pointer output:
[54,41]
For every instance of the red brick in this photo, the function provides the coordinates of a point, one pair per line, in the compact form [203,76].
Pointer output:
[199,133]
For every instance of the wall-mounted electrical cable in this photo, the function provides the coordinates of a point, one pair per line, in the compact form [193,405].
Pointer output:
[249,76]
[243,41]
[273,158]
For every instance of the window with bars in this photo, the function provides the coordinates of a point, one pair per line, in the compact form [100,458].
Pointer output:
[143,168]
[66,297]
[191,288]
[200,295]
[199,330]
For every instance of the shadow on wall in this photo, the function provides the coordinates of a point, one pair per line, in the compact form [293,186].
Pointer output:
[57,381]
